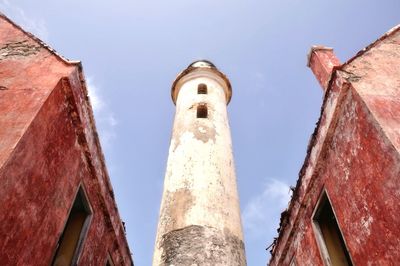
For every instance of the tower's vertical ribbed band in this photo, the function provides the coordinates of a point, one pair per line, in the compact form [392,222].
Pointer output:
[200,217]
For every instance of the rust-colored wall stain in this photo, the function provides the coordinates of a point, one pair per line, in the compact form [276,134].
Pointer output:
[48,148]
[175,207]
[354,157]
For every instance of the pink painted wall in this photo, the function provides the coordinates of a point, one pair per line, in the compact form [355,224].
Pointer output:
[48,147]
[354,156]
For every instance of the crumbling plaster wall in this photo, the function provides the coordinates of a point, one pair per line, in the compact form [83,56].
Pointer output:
[27,71]
[360,173]
[377,80]
[354,157]
[48,147]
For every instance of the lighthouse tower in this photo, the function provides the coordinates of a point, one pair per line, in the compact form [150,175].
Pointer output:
[200,217]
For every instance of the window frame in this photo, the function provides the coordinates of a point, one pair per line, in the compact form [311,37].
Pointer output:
[293,261]
[321,243]
[85,227]
[109,261]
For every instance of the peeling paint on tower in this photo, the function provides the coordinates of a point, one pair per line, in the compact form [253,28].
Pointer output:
[199,217]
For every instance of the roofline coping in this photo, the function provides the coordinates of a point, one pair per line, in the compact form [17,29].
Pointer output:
[316,48]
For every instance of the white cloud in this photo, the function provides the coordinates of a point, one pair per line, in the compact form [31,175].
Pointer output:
[36,26]
[95,100]
[105,119]
[262,213]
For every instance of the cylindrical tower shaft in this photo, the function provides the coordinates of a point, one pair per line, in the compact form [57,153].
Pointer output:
[200,217]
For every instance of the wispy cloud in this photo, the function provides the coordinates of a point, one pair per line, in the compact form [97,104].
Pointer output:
[260,87]
[105,119]
[261,214]
[36,26]
[259,79]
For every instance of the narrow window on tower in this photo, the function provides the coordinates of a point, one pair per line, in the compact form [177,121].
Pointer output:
[330,239]
[70,243]
[202,88]
[202,111]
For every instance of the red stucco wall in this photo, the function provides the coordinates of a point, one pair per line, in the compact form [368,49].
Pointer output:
[48,147]
[354,157]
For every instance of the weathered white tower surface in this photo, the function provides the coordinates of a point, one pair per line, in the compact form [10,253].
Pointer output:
[200,217]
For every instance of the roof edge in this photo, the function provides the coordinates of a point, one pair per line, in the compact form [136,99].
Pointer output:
[372,45]
[40,42]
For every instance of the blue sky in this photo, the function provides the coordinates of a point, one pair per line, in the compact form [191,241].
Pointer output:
[133,50]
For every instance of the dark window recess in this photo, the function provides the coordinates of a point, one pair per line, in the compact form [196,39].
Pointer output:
[293,262]
[109,261]
[329,236]
[70,242]
[202,111]
[202,88]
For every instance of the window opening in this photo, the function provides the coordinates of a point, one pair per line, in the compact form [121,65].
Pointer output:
[329,236]
[109,261]
[293,261]
[70,243]
[202,111]
[202,88]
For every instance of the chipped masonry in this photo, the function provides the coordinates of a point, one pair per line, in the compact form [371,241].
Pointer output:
[18,49]
[200,131]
